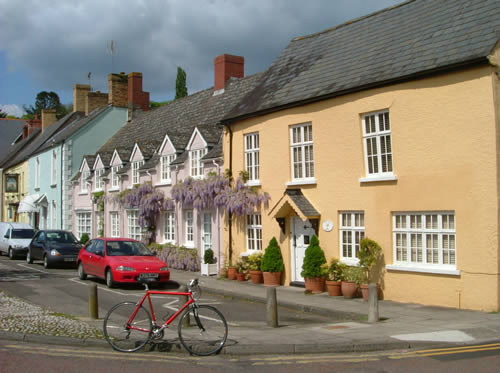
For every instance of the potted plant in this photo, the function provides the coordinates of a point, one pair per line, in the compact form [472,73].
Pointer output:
[353,276]
[208,267]
[241,270]
[335,276]
[368,255]
[272,264]
[231,271]
[314,269]
[254,263]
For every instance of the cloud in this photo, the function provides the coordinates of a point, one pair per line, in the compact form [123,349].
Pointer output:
[60,41]
[12,109]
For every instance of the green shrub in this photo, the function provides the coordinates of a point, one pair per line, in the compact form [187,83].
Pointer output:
[85,237]
[255,261]
[314,260]
[241,266]
[272,261]
[354,274]
[368,255]
[208,257]
[336,270]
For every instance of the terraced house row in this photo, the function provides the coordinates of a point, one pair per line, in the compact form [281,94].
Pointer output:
[383,127]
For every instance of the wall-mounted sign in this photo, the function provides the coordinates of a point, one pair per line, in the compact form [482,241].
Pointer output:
[11,183]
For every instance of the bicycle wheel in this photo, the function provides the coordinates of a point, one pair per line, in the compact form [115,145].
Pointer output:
[120,335]
[203,330]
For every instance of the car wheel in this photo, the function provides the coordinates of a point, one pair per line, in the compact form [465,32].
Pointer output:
[11,254]
[29,259]
[46,264]
[109,279]
[81,273]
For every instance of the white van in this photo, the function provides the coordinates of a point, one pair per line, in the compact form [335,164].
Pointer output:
[15,238]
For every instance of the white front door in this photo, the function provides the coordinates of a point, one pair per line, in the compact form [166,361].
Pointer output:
[207,231]
[301,233]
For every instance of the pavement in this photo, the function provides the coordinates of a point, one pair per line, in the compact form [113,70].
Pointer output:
[401,326]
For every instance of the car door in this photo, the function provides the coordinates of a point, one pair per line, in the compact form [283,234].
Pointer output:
[98,259]
[36,246]
[86,256]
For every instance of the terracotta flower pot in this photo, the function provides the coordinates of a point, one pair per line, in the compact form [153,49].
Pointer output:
[241,276]
[364,291]
[349,289]
[256,277]
[272,278]
[315,284]
[333,288]
[231,273]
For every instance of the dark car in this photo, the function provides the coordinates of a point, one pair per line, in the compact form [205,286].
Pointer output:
[54,247]
[120,260]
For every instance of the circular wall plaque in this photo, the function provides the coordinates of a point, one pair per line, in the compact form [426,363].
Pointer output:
[327,225]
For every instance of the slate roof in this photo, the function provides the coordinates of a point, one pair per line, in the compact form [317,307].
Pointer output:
[10,129]
[178,119]
[302,202]
[403,42]
[214,153]
[45,139]
[18,147]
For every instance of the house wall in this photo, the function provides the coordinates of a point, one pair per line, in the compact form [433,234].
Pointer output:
[14,198]
[444,146]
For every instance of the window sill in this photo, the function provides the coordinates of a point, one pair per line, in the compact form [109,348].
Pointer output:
[432,270]
[350,261]
[83,193]
[302,182]
[189,245]
[370,179]
[172,242]
[253,183]
[250,252]
[164,183]
[114,190]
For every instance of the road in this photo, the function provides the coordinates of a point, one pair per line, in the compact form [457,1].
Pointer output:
[19,357]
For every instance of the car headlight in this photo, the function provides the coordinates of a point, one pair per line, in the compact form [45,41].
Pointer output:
[54,252]
[162,269]
[124,268]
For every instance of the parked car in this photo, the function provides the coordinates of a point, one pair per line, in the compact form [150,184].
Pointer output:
[54,247]
[120,260]
[15,238]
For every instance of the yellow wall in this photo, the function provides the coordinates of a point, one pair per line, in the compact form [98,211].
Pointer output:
[444,145]
[22,170]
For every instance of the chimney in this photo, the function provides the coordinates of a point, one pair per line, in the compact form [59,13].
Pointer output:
[32,124]
[118,90]
[225,67]
[136,96]
[79,96]
[95,100]
[48,118]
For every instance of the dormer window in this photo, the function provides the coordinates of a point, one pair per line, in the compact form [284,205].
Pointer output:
[135,171]
[115,179]
[83,181]
[166,175]
[98,179]
[195,165]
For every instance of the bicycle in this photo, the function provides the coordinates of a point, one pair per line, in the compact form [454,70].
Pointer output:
[202,329]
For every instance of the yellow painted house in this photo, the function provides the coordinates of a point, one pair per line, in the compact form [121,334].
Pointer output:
[385,127]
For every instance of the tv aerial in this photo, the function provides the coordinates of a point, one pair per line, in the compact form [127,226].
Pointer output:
[112,51]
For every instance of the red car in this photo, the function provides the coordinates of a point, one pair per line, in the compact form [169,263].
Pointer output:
[120,260]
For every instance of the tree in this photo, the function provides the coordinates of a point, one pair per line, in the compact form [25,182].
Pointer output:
[3,114]
[46,100]
[180,84]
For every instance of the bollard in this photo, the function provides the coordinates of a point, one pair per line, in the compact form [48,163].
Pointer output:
[372,303]
[272,308]
[93,303]
[183,300]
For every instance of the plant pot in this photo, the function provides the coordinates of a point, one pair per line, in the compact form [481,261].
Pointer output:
[333,288]
[272,278]
[349,289]
[208,269]
[315,284]
[231,273]
[364,291]
[256,277]
[241,276]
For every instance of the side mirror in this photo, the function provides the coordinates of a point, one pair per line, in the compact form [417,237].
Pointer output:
[6,236]
[155,253]
[100,253]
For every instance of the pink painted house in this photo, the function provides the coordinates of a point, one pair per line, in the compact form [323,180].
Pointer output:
[163,146]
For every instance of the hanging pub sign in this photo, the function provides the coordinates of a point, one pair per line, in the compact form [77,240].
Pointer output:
[11,183]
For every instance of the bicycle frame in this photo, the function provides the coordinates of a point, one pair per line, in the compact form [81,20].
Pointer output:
[147,296]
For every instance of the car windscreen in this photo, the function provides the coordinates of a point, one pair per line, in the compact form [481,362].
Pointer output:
[127,248]
[61,237]
[23,233]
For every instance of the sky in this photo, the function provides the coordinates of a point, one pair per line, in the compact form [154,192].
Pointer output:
[50,45]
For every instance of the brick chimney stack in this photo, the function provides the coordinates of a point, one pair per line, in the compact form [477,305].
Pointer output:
[118,90]
[136,96]
[225,67]
[79,96]
[31,125]
[95,100]
[48,118]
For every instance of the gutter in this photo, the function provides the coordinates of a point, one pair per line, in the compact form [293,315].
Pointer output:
[418,75]
[230,216]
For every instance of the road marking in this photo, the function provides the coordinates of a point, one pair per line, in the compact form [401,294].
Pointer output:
[449,351]
[34,269]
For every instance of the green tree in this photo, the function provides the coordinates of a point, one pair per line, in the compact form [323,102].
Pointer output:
[180,84]
[3,114]
[157,104]
[46,100]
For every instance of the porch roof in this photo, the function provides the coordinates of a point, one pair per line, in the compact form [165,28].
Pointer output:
[294,200]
